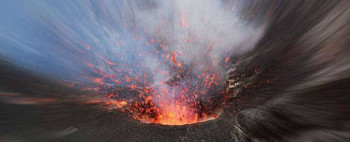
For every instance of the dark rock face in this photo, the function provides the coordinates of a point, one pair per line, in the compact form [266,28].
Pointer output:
[301,67]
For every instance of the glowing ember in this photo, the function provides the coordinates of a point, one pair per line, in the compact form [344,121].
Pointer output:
[152,107]
[190,96]
[172,114]
[171,79]
[177,114]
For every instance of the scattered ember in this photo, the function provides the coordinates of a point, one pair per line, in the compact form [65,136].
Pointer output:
[184,94]
[185,98]
[154,108]
[156,83]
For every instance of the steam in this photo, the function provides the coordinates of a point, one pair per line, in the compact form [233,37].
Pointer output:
[200,32]
[80,41]
[193,26]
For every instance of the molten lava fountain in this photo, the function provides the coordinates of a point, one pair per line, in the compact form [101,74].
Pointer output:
[183,99]
[168,65]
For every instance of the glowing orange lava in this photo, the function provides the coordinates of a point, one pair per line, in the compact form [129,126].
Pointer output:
[172,91]
[177,114]
[165,111]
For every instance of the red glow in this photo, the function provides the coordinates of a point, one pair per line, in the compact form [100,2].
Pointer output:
[173,59]
[227,59]
[177,92]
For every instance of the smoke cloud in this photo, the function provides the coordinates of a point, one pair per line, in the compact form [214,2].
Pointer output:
[83,41]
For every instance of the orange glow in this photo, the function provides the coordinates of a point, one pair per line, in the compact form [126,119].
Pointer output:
[127,79]
[173,59]
[133,86]
[98,80]
[118,104]
[175,113]
[183,20]
[118,82]
[227,59]
[109,62]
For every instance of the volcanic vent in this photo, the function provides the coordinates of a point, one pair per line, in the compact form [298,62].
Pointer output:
[177,101]
[169,66]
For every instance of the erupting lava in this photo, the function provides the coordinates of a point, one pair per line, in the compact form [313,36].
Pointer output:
[165,105]
[178,114]
[175,110]
[164,79]
[174,113]
[192,94]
